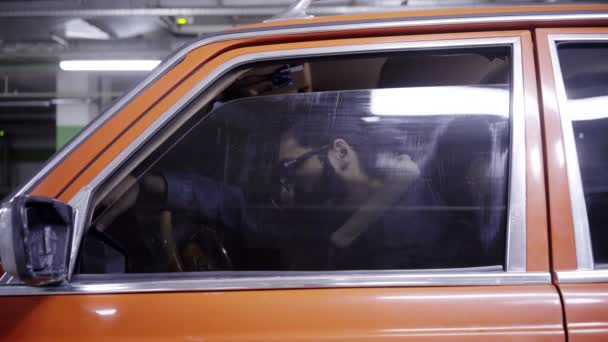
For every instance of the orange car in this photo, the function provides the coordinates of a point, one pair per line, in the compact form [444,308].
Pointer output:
[401,176]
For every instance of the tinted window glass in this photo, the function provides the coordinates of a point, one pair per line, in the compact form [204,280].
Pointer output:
[585,73]
[302,177]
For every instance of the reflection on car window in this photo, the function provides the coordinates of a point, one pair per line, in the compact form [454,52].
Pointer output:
[407,177]
[585,73]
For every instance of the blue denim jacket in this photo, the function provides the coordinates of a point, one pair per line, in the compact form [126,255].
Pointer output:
[411,235]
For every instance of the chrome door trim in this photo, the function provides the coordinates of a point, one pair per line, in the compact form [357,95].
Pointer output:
[515,259]
[516,248]
[582,234]
[582,276]
[218,281]
[174,59]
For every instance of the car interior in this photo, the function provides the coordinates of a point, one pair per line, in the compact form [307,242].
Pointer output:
[234,140]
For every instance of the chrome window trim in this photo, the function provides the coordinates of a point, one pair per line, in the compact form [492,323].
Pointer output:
[515,259]
[582,276]
[174,59]
[582,234]
[516,226]
[292,280]
[6,279]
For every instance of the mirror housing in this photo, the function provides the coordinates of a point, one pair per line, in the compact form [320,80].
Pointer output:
[36,239]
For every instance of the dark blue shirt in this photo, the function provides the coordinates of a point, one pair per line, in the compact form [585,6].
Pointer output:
[411,234]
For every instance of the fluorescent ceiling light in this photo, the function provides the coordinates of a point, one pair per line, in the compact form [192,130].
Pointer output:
[109,65]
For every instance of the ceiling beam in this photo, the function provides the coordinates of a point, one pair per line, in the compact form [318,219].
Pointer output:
[194,11]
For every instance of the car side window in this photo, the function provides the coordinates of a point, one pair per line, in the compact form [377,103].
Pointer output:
[372,162]
[584,69]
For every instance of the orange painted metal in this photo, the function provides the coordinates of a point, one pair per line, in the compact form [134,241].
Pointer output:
[434,13]
[493,313]
[560,211]
[537,241]
[586,307]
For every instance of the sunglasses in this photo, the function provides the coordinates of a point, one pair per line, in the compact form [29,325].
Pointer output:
[285,171]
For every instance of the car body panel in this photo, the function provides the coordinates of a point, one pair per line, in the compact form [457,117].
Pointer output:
[537,240]
[585,306]
[394,314]
[560,210]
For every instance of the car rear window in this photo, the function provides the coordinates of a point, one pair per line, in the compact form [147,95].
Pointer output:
[584,69]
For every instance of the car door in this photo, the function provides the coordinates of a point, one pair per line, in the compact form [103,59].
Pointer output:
[477,298]
[573,76]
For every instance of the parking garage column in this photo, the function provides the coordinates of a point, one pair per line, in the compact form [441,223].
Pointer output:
[76,107]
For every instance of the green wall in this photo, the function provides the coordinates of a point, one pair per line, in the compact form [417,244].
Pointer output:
[65,133]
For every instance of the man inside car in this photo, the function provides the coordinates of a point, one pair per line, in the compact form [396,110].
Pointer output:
[379,195]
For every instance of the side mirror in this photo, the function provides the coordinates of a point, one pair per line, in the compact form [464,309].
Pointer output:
[36,239]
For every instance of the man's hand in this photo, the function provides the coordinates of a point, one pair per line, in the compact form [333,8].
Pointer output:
[127,192]
[398,167]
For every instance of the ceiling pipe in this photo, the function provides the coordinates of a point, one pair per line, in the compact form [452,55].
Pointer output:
[21,104]
[54,95]
[19,118]
[198,11]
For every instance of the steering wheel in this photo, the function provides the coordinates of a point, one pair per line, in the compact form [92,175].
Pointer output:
[203,251]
